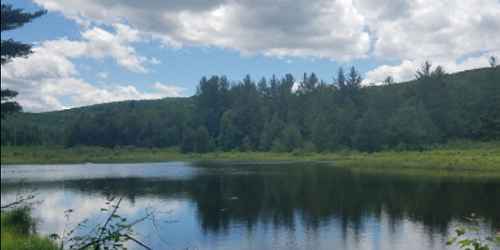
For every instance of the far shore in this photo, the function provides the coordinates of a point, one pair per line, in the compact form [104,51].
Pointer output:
[471,156]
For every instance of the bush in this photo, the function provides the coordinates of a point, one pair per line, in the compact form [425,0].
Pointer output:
[18,232]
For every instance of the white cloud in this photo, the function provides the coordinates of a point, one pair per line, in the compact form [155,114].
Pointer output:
[169,90]
[98,43]
[48,79]
[342,29]
[407,32]
[406,70]
[402,72]
[47,94]
[325,29]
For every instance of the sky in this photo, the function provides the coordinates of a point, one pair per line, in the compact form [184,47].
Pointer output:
[96,51]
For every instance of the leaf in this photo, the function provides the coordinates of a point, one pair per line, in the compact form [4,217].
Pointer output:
[460,231]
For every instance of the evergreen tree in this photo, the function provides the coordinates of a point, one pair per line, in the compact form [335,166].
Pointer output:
[188,144]
[291,138]
[354,80]
[12,18]
[433,93]
[201,140]
[425,71]
[211,102]
[490,115]
[345,126]
[341,81]
[411,127]
[322,136]
[8,106]
[369,132]
[308,83]
[269,116]
[228,138]
[271,131]
[246,112]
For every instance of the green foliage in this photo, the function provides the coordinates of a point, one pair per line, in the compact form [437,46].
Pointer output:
[18,232]
[188,141]
[211,101]
[229,132]
[369,132]
[474,157]
[490,118]
[291,138]
[8,106]
[411,127]
[12,19]
[271,116]
[112,233]
[271,132]
[468,237]
[321,133]
[19,221]
[132,123]
[202,140]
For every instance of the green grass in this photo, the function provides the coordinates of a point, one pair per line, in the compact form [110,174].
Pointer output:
[462,155]
[17,232]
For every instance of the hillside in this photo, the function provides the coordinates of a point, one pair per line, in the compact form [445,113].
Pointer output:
[52,127]
[268,115]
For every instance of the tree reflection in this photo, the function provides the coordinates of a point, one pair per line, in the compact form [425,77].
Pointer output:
[276,196]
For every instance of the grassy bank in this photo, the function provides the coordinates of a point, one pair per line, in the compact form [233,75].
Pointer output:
[18,233]
[471,156]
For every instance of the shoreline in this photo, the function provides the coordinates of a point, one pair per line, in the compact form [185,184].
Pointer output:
[475,157]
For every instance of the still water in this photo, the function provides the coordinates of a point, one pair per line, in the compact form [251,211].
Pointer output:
[262,206]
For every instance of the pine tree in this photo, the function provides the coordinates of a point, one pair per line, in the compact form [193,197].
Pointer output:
[229,133]
[369,132]
[341,81]
[490,118]
[188,141]
[202,140]
[308,83]
[353,80]
[12,19]
[291,138]
[425,71]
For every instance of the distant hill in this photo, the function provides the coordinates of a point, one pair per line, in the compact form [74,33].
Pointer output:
[63,117]
[52,127]
[269,116]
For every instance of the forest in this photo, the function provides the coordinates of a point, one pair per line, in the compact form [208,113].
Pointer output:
[284,114]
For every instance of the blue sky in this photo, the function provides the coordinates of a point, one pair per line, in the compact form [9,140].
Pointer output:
[101,52]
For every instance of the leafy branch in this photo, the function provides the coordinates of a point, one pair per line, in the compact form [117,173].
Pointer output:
[112,234]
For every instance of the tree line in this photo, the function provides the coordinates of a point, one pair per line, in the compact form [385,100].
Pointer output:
[284,114]
[280,114]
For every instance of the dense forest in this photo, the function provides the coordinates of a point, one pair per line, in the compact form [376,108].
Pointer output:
[284,114]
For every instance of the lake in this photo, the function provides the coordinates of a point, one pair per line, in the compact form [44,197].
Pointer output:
[260,206]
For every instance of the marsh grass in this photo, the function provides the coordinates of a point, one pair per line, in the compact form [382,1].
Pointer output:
[460,155]
[18,232]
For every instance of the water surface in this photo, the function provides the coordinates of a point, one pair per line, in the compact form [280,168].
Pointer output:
[265,206]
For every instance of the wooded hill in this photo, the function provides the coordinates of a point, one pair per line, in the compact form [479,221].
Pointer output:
[270,114]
